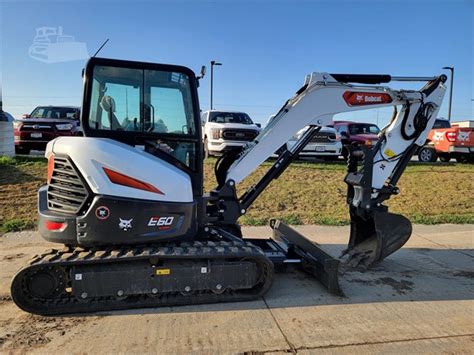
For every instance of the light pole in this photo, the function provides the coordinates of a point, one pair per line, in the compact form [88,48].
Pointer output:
[450,91]
[213,62]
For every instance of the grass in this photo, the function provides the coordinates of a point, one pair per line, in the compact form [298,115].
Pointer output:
[307,193]
[315,193]
[20,179]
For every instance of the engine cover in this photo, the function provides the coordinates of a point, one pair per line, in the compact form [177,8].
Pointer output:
[96,158]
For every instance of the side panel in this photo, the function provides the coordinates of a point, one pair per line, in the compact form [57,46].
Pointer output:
[125,221]
[92,155]
[118,221]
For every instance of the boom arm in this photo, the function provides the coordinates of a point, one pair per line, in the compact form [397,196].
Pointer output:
[375,233]
[322,96]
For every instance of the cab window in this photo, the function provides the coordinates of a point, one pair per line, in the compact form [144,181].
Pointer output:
[151,101]
[341,128]
[363,128]
[55,112]
[127,108]
[441,124]
[156,106]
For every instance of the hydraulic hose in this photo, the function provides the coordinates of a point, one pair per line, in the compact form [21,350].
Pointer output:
[420,121]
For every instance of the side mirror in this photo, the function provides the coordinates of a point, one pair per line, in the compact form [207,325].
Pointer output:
[202,72]
[344,134]
[26,115]
[259,125]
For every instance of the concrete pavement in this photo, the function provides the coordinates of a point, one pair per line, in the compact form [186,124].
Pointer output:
[419,300]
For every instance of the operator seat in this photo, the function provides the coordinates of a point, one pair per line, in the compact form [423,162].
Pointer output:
[108,105]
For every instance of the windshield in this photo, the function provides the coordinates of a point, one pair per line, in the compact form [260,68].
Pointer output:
[151,101]
[441,124]
[55,112]
[230,117]
[363,128]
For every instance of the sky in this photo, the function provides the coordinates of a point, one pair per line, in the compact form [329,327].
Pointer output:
[266,47]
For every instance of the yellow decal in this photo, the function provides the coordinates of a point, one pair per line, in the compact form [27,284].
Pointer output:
[389,153]
[163,271]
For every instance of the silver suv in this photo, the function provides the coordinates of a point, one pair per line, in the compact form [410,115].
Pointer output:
[326,144]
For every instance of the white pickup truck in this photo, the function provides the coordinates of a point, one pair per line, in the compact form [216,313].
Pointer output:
[226,130]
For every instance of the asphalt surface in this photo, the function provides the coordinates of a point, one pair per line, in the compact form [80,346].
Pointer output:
[419,300]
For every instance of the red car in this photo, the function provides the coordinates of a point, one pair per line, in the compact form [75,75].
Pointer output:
[45,123]
[448,141]
[356,133]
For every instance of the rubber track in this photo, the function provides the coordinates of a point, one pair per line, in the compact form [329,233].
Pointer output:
[66,303]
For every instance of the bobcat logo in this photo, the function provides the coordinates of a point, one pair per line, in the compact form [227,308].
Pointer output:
[125,224]
[438,136]
[463,136]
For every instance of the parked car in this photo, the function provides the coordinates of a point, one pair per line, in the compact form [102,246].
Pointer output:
[356,133]
[5,117]
[6,134]
[226,130]
[270,119]
[325,144]
[45,123]
[448,141]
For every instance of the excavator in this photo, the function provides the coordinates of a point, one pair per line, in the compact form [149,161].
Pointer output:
[128,205]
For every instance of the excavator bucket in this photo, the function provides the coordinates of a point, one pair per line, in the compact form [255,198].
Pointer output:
[374,238]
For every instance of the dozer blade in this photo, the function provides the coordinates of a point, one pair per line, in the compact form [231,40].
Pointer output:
[314,259]
[375,238]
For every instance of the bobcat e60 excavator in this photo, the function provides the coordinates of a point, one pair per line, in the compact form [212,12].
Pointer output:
[127,199]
